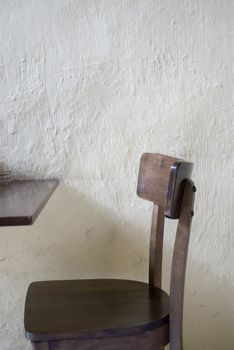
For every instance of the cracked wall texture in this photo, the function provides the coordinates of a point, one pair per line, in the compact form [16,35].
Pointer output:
[85,88]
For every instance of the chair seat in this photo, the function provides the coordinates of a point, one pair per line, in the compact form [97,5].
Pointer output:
[79,309]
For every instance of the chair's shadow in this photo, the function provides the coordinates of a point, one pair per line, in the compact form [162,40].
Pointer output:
[81,239]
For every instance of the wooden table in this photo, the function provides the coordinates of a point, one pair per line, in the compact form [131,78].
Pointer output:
[22,201]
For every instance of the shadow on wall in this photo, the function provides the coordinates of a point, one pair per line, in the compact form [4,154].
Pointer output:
[81,239]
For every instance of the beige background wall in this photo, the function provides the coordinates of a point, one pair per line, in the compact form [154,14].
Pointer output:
[85,88]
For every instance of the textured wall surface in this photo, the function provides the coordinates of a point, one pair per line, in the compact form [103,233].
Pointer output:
[85,88]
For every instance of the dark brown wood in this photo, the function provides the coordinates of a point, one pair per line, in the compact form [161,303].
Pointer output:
[149,340]
[180,171]
[40,346]
[120,314]
[179,267]
[160,180]
[91,309]
[156,246]
[22,201]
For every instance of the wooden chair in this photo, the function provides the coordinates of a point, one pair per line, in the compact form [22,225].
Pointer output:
[123,314]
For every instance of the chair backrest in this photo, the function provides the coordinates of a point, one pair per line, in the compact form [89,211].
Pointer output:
[165,181]
[161,181]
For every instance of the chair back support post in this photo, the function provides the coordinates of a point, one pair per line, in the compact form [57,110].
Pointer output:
[156,246]
[179,267]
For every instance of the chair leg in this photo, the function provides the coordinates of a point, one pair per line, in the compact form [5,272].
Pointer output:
[40,345]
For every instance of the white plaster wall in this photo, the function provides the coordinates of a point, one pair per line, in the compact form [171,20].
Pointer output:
[85,88]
